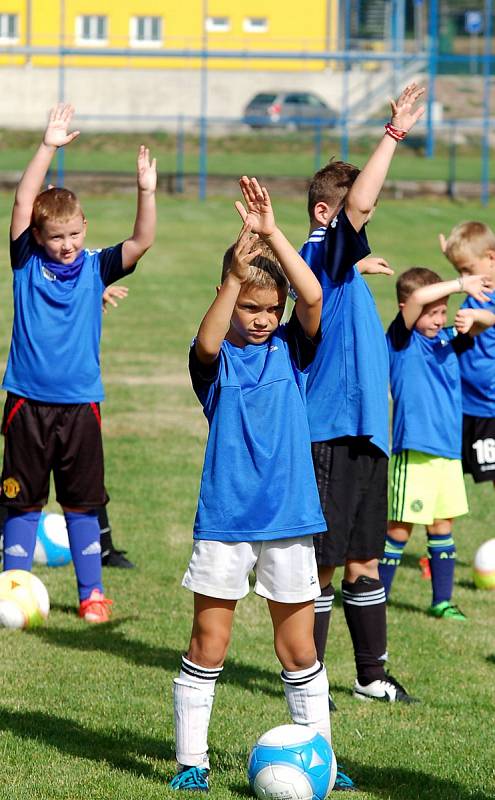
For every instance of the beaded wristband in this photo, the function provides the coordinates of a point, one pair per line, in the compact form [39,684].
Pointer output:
[396,133]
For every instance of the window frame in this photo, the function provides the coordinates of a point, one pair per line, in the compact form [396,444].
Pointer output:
[91,42]
[134,41]
[6,16]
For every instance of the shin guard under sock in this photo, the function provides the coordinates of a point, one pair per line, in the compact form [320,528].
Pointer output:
[84,539]
[365,612]
[390,561]
[19,539]
[442,555]
[194,691]
[306,692]
[323,611]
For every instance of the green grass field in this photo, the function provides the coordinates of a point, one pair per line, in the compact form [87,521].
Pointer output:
[85,712]
[268,152]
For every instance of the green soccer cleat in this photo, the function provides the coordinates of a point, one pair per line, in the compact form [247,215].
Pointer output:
[446,610]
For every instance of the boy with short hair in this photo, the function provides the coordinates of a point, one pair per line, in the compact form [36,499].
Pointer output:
[348,404]
[470,247]
[52,414]
[427,483]
[258,504]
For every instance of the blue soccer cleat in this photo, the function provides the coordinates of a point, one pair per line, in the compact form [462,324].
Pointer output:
[343,783]
[191,779]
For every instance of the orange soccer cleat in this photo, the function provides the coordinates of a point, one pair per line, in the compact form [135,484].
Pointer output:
[96,608]
[424,565]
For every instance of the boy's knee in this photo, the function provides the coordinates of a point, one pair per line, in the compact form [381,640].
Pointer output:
[208,651]
[298,657]
[355,569]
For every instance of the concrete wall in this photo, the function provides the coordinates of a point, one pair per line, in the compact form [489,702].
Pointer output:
[27,93]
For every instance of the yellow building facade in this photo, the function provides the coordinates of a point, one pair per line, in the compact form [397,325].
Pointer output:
[156,27]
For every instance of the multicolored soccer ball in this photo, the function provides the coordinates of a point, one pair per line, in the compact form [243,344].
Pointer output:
[24,601]
[292,762]
[52,541]
[484,566]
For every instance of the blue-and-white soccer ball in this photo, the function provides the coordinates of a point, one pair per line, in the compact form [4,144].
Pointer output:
[52,541]
[292,762]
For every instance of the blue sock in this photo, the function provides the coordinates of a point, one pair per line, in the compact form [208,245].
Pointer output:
[84,538]
[19,539]
[390,561]
[442,553]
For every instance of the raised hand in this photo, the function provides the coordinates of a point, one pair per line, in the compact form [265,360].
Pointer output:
[146,170]
[59,119]
[403,115]
[374,265]
[245,251]
[474,285]
[258,212]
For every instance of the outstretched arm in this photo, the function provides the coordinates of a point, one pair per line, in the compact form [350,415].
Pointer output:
[56,135]
[365,190]
[143,234]
[258,213]
[216,322]
[415,303]
[374,265]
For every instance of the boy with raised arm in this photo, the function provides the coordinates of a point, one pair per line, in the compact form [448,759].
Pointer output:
[470,247]
[52,412]
[258,503]
[427,483]
[348,404]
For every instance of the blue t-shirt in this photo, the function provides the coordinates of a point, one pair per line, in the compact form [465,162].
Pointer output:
[347,391]
[478,368]
[54,353]
[426,390]
[258,482]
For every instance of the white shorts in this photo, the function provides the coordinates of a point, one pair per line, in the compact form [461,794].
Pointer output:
[285,569]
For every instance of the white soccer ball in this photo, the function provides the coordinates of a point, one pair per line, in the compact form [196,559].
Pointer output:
[52,541]
[292,762]
[24,601]
[484,566]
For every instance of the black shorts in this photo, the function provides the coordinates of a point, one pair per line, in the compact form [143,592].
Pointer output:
[478,447]
[352,481]
[41,438]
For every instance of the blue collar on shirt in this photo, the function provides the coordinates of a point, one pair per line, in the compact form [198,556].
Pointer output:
[64,272]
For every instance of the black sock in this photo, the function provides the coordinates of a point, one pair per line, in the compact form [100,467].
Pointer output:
[323,610]
[366,617]
[105,530]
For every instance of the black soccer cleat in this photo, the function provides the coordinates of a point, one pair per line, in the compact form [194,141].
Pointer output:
[116,558]
[389,690]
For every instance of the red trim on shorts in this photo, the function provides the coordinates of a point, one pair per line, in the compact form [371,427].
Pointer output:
[13,412]
[96,412]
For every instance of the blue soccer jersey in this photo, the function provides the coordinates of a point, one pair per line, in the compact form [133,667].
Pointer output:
[258,481]
[347,393]
[478,368]
[425,381]
[54,352]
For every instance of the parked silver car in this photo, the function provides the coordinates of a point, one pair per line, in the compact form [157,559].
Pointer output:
[288,110]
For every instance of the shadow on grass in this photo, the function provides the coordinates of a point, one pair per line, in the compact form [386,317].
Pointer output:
[124,750]
[491,658]
[109,639]
[397,784]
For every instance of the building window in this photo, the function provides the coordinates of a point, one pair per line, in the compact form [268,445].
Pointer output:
[9,28]
[217,24]
[92,29]
[255,25]
[146,31]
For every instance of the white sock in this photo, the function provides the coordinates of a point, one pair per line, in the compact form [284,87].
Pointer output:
[194,691]
[306,692]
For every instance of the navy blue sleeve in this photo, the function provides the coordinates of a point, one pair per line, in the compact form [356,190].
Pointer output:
[398,334]
[202,375]
[302,349]
[344,247]
[21,249]
[111,268]
[461,343]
